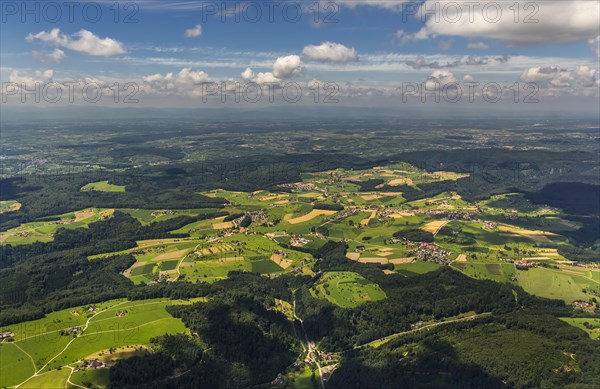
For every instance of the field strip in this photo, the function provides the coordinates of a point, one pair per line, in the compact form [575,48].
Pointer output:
[119,329]
[311,215]
[112,308]
[386,339]
[435,226]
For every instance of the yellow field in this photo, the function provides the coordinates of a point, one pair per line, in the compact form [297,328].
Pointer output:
[401,181]
[171,255]
[435,226]
[371,197]
[382,261]
[400,261]
[222,226]
[157,242]
[231,259]
[311,215]
[535,235]
[366,221]
[461,258]
[121,353]
[399,215]
[282,262]
[353,256]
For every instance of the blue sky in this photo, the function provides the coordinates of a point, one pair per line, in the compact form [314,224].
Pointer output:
[367,46]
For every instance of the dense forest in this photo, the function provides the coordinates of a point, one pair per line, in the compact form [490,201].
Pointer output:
[238,340]
[43,277]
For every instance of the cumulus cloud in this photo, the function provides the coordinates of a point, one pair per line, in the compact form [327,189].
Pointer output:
[284,67]
[287,67]
[539,22]
[28,78]
[330,52]
[555,77]
[186,82]
[57,55]
[194,32]
[83,41]
[261,78]
[438,79]
[247,74]
[477,46]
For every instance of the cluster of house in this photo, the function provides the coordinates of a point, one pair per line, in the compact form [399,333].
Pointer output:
[160,280]
[163,212]
[487,225]
[524,264]
[582,304]
[304,186]
[95,363]
[121,313]
[23,234]
[63,221]
[6,335]
[450,215]
[430,252]
[298,241]
[72,331]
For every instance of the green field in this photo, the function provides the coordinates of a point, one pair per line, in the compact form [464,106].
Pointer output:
[501,272]
[102,186]
[551,283]
[592,328]
[416,268]
[40,347]
[347,289]
[53,379]
[43,231]
[9,206]
[98,377]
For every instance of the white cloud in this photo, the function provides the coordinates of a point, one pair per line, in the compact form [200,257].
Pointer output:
[555,77]
[266,78]
[438,79]
[468,78]
[30,79]
[540,22]
[330,52]
[286,67]
[194,32]
[49,56]
[83,41]
[477,46]
[187,82]
[247,74]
